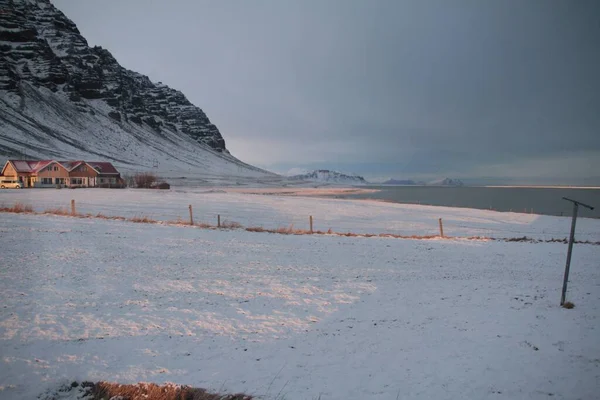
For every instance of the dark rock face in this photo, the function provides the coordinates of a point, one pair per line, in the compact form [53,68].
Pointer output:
[40,46]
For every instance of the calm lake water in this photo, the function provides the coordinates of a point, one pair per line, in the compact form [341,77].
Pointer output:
[541,200]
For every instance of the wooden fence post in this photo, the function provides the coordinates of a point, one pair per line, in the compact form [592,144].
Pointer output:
[441,228]
[73,207]
[219,220]
[191,216]
[311,224]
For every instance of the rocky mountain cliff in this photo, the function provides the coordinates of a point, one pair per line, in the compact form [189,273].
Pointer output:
[61,98]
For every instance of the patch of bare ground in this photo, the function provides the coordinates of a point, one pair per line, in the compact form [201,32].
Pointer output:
[568,305]
[139,391]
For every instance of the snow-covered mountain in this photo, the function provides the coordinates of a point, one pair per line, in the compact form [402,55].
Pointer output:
[446,182]
[60,98]
[327,176]
[410,182]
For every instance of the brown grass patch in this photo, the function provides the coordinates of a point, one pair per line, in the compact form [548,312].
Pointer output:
[143,220]
[203,225]
[256,229]
[57,211]
[230,225]
[285,230]
[112,217]
[152,391]
[568,305]
[18,207]
[289,230]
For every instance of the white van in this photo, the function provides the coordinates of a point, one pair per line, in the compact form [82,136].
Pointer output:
[10,184]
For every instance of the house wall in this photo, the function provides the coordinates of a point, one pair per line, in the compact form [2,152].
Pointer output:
[107,179]
[83,171]
[10,172]
[86,173]
[49,173]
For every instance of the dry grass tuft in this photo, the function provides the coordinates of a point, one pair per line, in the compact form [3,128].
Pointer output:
[285,230]
[178,221]
[18,207]
[230,225]
[57,211]
[203,225]
[350,234]
[256,229]
[116,218]
[568,305]
[143,220]
[152,391]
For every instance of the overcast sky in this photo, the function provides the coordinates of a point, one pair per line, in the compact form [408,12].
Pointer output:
[480,89]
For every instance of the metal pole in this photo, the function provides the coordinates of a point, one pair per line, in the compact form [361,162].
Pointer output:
[569,252]
[576,205]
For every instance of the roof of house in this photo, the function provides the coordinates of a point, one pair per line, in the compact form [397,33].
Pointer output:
[32,166]
[103,167]
[29,165]
[71,165]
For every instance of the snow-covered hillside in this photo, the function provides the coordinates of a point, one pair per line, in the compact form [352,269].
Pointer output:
[60,98]
[327,176]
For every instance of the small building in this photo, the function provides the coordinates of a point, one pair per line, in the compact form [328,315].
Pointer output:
[52,173]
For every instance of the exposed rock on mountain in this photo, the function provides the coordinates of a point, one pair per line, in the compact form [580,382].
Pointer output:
[62,98]
[446,182]
[327,176]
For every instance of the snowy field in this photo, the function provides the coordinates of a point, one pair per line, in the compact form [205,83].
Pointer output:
[276,211]
[294,317]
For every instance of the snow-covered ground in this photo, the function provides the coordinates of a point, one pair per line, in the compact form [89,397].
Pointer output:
[293,317]
[270,211]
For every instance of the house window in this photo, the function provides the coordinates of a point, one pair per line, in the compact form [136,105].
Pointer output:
[84,168]
[76,181]
[101,180]
[59,181]
[56,168]
[47,181]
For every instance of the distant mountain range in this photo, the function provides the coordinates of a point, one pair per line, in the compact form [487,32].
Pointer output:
[440,182]
[336,177]
[327,176]
[401,182]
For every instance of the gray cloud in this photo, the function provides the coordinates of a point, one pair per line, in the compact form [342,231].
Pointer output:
[405,88]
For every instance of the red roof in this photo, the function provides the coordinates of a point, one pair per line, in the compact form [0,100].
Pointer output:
[103,167]
[71,165]
[29,166]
